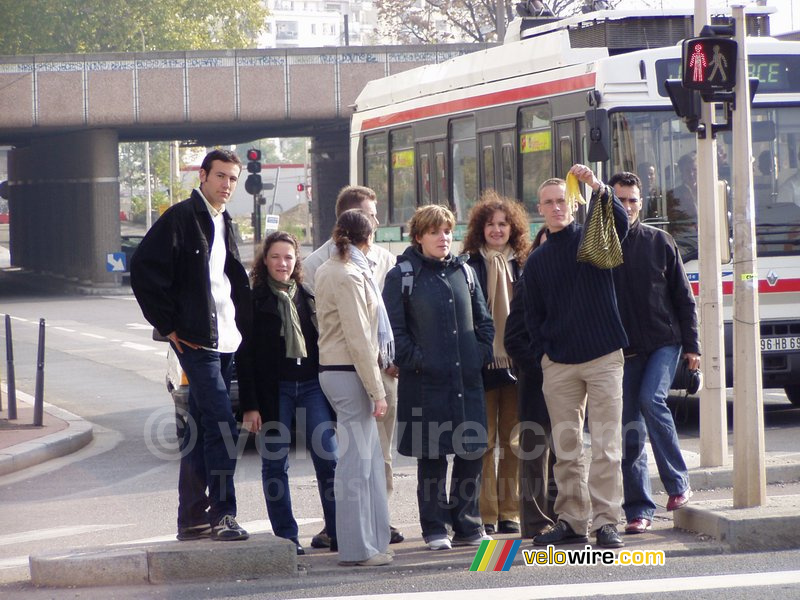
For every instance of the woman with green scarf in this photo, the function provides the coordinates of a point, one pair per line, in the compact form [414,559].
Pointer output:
[286,365]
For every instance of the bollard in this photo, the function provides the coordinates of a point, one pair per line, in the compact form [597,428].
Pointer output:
[38,395]
[12,388]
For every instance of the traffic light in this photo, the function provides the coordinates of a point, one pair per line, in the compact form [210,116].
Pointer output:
[709,64]
[253,183]
[300,187]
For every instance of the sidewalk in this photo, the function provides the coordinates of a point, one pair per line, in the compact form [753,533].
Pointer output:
[23,445]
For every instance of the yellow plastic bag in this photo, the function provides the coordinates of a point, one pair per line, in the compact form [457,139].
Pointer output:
[573,193]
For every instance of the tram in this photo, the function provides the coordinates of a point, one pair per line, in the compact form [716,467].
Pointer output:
[590,88]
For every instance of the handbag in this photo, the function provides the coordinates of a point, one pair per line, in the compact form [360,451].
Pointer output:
[600,245]
[498,377]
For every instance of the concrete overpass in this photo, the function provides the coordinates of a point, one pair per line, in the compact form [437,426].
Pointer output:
[65,114]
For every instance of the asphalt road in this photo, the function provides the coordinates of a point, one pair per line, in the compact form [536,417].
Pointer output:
[101,364]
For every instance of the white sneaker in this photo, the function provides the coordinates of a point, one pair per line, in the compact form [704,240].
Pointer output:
[440,544]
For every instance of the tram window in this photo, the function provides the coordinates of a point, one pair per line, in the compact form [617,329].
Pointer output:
[507,166]
[487,161]
[464,161]
[403,182]
[376,171]
[425,178]
[535,149]
[441,177]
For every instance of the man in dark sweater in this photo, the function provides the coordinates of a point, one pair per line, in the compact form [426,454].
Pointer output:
[658,311]
[572,318]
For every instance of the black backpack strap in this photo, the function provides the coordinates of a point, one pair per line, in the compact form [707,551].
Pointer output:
[470,275]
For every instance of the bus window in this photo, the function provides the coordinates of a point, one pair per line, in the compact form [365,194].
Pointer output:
[535,149]
[424,172]
[487,162]
[440,175]
[403,181]
[507,174]
[376,171]
[464,164]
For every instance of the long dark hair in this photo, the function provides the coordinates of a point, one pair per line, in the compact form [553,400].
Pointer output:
[516,216]
[260,274]
[352,227]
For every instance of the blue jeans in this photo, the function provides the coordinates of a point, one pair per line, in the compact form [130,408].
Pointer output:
[645,387]
[208,448]
[303,402]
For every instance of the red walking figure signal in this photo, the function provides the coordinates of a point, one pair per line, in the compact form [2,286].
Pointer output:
[709,64]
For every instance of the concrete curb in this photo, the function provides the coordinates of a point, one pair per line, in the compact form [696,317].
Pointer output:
[78,434]
[166,562]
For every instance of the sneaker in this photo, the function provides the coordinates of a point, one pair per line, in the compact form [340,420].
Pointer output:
[321,540]
[378,560]
[560,533]
[507,526]
[489,528]
[440,544]
[395,536]
[196,532]
[475,540]
[607,537]
[228,530]
[638,525]
[679,500]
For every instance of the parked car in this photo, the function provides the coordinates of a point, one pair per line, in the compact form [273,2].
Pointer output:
[128,244]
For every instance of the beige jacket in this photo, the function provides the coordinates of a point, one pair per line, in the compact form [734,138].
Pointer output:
[348,323]
[380,256]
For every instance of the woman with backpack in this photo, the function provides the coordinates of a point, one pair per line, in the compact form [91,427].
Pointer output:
[443,336]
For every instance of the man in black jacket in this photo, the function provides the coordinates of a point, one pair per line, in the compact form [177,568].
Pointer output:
[572,319]
[658,311]
[192,288]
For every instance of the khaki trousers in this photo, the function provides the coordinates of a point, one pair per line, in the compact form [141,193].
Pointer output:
[499,500]
[566,389]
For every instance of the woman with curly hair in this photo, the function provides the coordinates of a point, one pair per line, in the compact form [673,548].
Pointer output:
[286,360]
[498,243]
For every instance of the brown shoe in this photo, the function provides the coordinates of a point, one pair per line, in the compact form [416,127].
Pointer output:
[639,525]
[679,500]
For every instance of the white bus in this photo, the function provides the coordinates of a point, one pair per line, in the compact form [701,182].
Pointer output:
[511,116]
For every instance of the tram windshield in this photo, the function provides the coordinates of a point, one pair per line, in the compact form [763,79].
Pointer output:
[657,146]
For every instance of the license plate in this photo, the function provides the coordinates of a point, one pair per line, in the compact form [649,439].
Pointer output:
[780,344]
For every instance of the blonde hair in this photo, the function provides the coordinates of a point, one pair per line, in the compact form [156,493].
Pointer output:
[427,218]
[552,181]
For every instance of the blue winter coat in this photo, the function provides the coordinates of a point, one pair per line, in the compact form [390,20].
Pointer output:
[443,336]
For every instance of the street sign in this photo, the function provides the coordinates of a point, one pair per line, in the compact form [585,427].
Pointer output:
[271,222]
[115,262]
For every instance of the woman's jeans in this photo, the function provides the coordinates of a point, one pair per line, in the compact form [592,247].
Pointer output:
[304,403]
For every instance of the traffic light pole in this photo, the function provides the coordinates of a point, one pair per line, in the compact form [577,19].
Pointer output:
[713,411]
[749,476]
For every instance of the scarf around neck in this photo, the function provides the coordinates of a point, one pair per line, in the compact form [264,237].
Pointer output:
[290,321]
[499,287]
[385,335]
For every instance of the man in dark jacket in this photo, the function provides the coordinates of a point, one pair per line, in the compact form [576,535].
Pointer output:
[192,288]
[658,311]
[572,318]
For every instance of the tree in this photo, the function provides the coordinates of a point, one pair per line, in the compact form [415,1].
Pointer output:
[441,21]
[44,26]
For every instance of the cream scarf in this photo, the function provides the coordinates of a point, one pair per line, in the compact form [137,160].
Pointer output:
[499,287]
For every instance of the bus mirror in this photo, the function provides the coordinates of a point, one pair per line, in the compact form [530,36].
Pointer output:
[597,122]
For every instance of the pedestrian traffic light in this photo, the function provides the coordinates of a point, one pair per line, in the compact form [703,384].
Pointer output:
[300,187]
[709,64]
[253,183]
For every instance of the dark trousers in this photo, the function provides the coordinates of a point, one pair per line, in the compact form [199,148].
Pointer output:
[208,447]
[458,508]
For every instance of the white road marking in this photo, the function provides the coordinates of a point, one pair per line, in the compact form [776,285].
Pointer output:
[134,346]
[604,588]
[138,326]
[14,561]
[37,535]
[93,335]
[61,328]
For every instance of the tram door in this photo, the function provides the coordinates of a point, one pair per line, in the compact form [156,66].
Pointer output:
[571,141]
[498,162]
[432,172]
